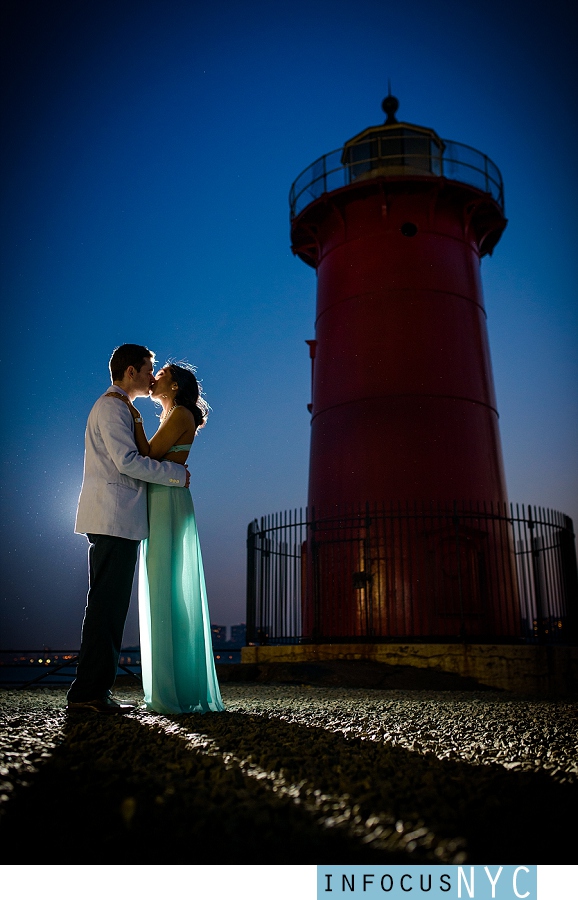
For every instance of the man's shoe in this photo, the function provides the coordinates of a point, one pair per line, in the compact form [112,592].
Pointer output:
[108,705]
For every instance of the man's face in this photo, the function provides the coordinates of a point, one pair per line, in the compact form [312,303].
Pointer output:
[143,380]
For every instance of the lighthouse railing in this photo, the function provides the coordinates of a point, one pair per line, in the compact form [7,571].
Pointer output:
[456,572]
[382,157]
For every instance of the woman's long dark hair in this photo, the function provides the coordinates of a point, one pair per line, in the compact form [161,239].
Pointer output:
[190,392]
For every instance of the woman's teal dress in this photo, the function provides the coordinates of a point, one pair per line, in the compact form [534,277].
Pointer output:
[178,668]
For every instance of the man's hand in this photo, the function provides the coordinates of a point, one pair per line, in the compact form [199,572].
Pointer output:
[188,478]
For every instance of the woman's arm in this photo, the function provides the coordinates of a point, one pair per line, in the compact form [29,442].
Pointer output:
[142,445]
[140,437]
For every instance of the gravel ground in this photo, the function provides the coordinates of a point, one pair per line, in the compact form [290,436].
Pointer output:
[291,774]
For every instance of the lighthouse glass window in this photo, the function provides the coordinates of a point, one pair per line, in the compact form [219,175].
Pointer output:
[393,151]
[417,153]
[404,148]
[361,157]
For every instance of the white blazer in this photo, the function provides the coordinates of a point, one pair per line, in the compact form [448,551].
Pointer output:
[113,498]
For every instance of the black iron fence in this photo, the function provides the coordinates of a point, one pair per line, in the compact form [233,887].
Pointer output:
[479,572]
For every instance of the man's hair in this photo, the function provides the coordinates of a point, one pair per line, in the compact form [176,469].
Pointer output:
[128,355]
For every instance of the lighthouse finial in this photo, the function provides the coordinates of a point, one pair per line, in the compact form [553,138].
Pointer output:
[390,105]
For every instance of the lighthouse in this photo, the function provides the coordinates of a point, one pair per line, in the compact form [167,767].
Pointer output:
[403,405]
[403,408]
[408,551]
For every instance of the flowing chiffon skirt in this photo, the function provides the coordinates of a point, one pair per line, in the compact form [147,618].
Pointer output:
[178,667]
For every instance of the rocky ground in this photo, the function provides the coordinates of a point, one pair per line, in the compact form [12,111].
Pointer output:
[293,773]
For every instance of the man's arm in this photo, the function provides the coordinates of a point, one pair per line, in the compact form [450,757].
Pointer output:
[116,429]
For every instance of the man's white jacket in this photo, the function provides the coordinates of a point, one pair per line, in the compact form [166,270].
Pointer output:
[113,498]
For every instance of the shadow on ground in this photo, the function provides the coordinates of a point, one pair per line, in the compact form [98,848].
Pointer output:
[118,791]
[350,673]
[195,789]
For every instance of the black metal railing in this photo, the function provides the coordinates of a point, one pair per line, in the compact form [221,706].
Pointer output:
[477,572]
[26,668]
[381,156]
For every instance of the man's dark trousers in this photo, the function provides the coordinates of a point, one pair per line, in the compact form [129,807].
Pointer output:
[111,565]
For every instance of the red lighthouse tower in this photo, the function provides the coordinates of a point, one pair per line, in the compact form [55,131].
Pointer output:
[403,405]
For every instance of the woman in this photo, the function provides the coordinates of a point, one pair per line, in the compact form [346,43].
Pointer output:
[178,668]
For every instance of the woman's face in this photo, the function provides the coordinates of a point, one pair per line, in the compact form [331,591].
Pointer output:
[164,384]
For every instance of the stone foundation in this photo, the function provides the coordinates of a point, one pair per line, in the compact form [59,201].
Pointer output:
[543,671]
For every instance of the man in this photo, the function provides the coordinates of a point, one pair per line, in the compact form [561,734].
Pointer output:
[112,512]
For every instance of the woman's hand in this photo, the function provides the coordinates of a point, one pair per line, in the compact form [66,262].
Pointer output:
[133,410]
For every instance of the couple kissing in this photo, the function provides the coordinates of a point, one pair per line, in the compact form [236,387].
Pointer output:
[134,492]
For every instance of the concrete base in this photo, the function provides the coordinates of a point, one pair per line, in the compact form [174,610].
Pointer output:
[544,671]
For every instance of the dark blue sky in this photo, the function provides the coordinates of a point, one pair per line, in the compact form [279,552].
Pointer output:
[148,152]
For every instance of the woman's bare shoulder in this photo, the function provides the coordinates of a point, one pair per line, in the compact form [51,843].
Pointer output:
[182,414]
